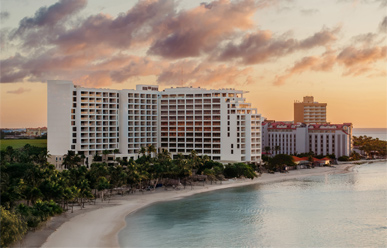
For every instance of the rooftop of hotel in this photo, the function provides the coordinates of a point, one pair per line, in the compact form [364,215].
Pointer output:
[153,87]
[291,125]
[190,88]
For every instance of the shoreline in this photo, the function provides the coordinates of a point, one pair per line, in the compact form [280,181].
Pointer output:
[98,225]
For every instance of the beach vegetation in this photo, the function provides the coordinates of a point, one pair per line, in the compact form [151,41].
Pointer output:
[239,170]
[344,158]
[279,162]
[32,190]
[13,227]
[370,146]
[71,159]
[355,156]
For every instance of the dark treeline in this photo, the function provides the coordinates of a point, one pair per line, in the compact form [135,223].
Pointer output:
[33,190]
[371,146]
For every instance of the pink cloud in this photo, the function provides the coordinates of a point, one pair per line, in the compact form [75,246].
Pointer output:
[200,30]
[194,73]
[356,61]
[47,21]
[214,43]
[261,46]
[352,56]
[19,91]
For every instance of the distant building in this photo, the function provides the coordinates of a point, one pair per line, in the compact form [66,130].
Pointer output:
[322,139]
[309,111]
[217,123]
[33,132]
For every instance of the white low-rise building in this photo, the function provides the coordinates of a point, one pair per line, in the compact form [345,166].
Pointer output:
[217,123]
[322,139]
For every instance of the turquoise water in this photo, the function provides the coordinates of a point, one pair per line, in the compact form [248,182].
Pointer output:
[343,210]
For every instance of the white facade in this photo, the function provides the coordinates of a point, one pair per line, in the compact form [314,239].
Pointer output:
[290,138]
[216,123]
[59,107]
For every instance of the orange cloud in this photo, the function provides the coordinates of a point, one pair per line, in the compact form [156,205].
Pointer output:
[356,61]
[194,73]
[200,30]
[260,46]
[19,91]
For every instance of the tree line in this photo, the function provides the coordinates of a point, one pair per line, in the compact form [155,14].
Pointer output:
[32,190]
[370,145]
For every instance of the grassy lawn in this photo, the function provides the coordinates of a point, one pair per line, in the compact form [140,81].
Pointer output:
[17,143]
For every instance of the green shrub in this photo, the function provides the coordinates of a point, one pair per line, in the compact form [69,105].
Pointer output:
[13,227]
[343,158]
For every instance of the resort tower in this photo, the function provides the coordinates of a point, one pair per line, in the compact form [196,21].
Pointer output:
[217,123]
[309,111]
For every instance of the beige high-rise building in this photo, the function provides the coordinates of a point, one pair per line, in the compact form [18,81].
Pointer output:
[310,111]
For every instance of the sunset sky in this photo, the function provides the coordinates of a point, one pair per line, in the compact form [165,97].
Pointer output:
[278,50]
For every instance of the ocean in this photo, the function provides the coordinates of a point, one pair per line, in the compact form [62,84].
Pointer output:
[380,133]
[340,210]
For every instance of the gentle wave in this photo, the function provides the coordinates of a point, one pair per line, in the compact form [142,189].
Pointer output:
[341,210]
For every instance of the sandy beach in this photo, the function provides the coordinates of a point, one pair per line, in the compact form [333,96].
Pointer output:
[98,225]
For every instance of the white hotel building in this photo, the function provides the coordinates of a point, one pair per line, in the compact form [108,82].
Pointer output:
[293,138]
[216,123]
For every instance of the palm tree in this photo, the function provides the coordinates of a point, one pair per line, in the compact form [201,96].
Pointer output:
[71,159]
[194,159]
[116,151]
[105,153]
[277,148]
[142,151]
[151,150]
[267,149]
[9,151]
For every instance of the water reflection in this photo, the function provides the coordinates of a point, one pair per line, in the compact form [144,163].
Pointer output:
[321,211]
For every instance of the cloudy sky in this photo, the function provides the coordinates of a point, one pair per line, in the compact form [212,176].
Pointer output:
[278,50]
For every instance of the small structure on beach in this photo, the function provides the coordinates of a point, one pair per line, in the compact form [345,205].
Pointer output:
[301,163]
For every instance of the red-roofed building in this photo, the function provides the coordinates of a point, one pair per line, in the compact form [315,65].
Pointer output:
[322,161]
[322,139]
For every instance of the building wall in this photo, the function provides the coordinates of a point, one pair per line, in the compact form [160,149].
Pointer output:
[35,131]
[59,106]
[216,123]
[309,111]
[298,112]
[96,124]
[300,138]
[140,119]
